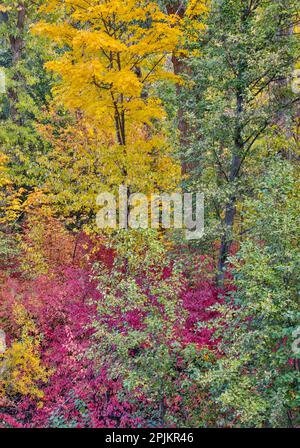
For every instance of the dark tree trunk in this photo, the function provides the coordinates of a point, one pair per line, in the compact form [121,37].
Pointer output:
[230,209]
[16,46]
[180,68]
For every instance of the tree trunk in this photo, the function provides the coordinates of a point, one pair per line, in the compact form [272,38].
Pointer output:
[180,68]
[16,46]
[230,209]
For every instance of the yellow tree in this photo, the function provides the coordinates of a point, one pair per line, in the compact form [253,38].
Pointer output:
[21,369]
[113,53]
[84,160]
[114,50]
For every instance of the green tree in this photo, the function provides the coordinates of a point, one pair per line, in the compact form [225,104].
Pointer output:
[240,91]
[256,382]
[22,57]
[146,357]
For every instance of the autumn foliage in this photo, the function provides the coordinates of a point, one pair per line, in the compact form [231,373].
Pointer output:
[131,328]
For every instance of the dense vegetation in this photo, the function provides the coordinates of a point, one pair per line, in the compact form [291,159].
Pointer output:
[141,327]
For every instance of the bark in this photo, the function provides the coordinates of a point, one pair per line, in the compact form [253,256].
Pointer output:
[16,42]
[16,46]
[230,209]
[180,68]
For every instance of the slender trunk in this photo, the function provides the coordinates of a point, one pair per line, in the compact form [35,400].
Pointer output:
[226,240]
[235,166]
[16,46]
[162,411]
[180,67]
[230,208]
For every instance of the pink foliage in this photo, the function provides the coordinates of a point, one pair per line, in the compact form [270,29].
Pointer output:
[63,305]
[197,302]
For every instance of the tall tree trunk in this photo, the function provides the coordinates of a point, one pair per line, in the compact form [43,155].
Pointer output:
[180,68]
[16,46]
[230,209]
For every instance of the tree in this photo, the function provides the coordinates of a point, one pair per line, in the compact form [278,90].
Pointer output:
[191,15]
[256,381]
[114,52]
[83,163]
[238,97]
[137,331]
[27,86]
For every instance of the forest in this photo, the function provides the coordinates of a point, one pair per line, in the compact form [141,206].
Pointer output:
[108,318]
